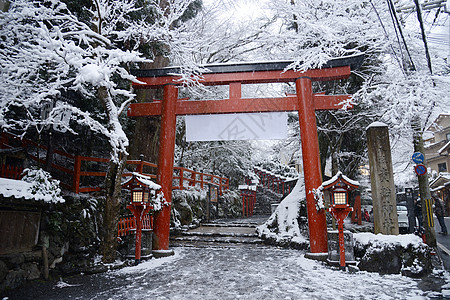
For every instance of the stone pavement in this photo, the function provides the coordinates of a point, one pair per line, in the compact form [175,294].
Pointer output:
[443,242]
[233,270]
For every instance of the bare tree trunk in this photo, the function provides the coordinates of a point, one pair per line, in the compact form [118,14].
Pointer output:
[112,205]
[113,180]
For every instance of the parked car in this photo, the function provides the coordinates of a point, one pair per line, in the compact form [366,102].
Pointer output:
[402,214]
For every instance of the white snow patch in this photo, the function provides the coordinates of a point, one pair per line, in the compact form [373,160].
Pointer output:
[61,284]
[286,216]
[376,124]
[404,240]
[22,189]
[151,264]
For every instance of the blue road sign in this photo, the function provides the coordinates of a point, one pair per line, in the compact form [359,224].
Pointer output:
[420,170]
[418,157]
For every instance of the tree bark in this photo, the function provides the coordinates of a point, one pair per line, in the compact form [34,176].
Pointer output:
[113,179]
[112,205]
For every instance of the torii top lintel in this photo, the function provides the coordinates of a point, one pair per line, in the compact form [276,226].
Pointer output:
[244,73]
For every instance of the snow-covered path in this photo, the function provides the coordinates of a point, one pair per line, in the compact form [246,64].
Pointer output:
[241,272]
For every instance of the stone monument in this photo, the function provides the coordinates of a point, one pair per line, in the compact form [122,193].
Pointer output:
[382,179]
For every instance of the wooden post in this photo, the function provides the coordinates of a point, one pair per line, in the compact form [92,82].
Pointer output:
[311,164]
[76,174]
[244,212]
[193,178]
[165,165]
[181,178]
[356,215]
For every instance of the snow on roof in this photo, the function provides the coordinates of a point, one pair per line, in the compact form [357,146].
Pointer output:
[335,178]
[444,148]
[22,189]
[144,180]
[442,175]
[247,187]
[376,124]
[435,125]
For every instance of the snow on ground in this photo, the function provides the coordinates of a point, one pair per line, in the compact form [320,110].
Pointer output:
[404,240]
[242,272]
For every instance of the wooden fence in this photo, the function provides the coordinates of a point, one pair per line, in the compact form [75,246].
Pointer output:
[12,172]
[74,166]
[127,225]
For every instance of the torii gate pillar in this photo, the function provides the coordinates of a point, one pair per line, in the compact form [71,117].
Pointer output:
[165,165]
[311,164]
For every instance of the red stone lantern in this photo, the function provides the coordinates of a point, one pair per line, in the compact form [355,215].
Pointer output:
[340,186]
[142,190]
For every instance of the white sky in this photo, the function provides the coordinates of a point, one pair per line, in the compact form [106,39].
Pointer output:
[238,10]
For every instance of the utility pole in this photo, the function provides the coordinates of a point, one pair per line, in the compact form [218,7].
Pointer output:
[425,195]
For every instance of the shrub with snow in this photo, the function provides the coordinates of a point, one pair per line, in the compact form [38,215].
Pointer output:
[43,186]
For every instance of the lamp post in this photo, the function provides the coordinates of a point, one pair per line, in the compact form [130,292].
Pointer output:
[141,191]
[340,186]
[139,207]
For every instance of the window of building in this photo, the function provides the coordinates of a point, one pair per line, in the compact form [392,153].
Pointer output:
[442,167]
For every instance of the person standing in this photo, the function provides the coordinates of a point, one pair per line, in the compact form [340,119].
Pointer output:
[439,212]
[418,211]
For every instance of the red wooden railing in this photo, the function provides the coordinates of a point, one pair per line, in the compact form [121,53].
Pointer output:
[274,182]
[183,177]
[248,201]
[12,172]
[126,225]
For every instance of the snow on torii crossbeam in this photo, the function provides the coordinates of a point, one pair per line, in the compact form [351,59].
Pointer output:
[234,75]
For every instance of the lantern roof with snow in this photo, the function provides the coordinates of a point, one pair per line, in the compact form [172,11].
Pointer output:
[340,181]
[140,181]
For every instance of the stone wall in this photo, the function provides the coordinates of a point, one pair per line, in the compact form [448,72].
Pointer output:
[67,241]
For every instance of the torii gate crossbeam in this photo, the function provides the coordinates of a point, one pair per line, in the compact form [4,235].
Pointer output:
[234,75]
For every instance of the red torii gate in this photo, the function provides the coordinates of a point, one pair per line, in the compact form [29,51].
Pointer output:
[234,75]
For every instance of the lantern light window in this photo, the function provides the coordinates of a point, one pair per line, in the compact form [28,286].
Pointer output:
[137,196]
[340,198]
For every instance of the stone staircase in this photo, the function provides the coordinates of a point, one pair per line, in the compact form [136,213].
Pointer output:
[220,233]
[264,200]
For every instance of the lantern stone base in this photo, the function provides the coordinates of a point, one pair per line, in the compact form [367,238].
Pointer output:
[317,256]
[333,248]
[162,253]
[146,244]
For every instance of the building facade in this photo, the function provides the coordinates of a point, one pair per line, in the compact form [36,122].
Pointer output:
[437,147]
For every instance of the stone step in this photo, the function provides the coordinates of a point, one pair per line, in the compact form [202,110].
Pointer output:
[221,231]
[215,240]
[231,224]
[219,234]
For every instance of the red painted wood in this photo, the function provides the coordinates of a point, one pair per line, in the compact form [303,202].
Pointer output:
[250,77]
[165,166]
[356,214]
[76,174]
[237,105]
[311,165]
